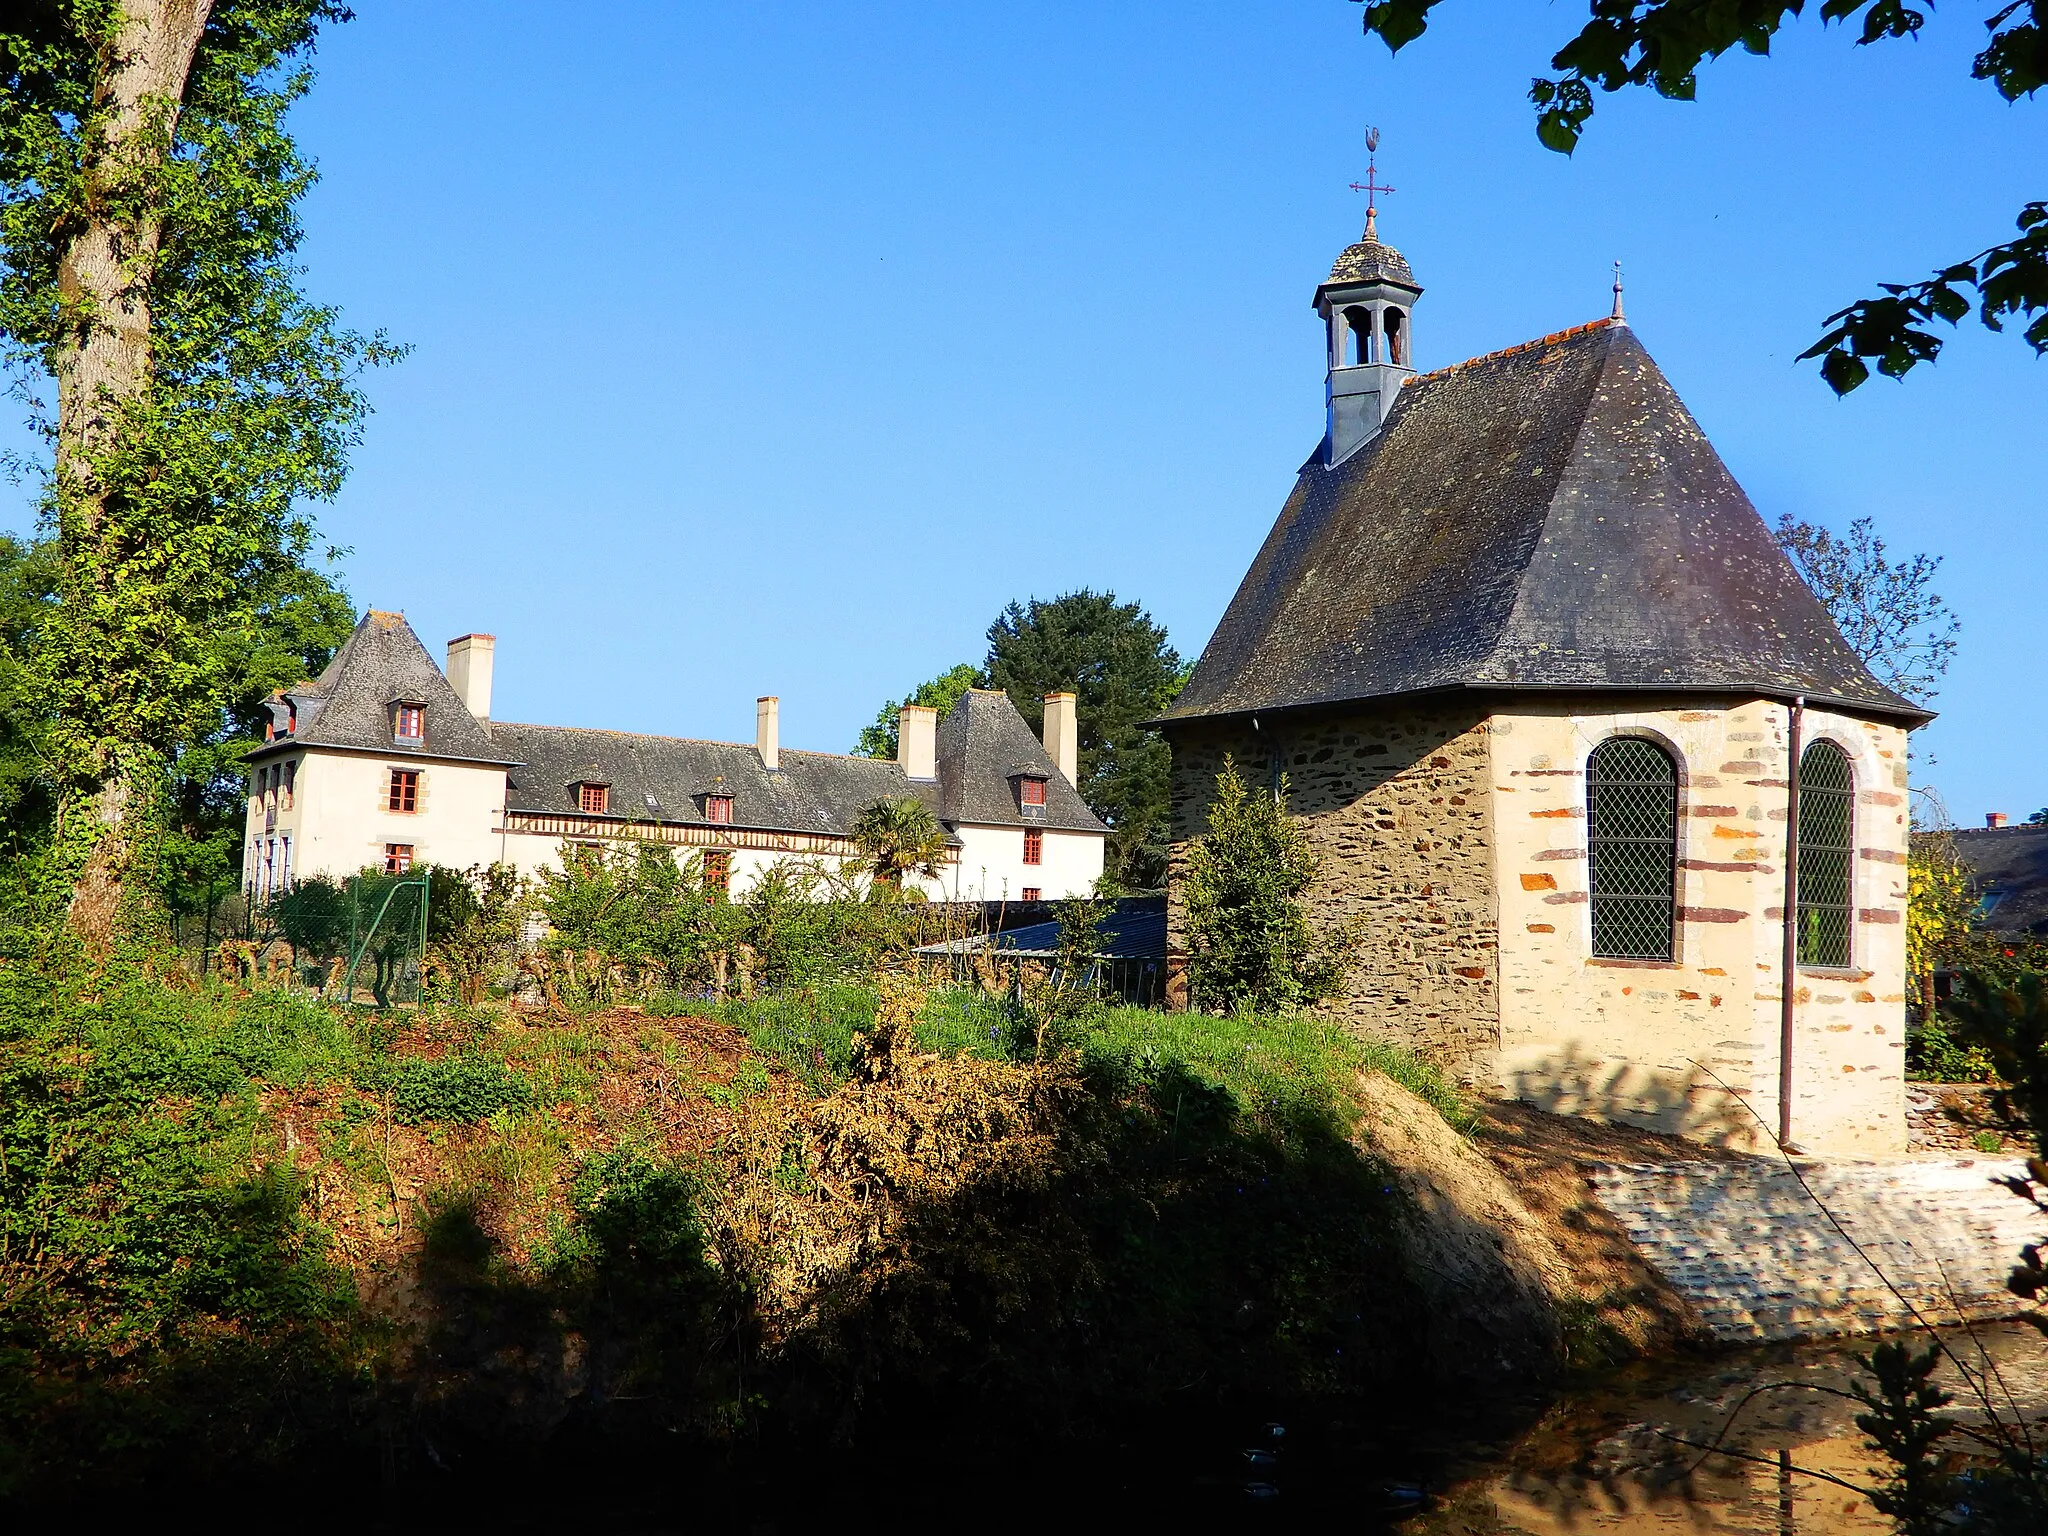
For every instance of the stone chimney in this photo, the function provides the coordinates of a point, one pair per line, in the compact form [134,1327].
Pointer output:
[1995,819]
[768,732]
[469,671]
[917,741]
[1063,735]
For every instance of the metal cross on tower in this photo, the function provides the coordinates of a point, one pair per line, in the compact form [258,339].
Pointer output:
[1372,186]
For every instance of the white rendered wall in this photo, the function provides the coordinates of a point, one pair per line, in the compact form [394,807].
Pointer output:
[341,819]
[992,866]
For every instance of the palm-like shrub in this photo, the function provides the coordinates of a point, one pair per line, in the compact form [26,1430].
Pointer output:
[899,837]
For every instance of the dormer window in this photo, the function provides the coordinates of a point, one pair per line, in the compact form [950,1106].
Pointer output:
[1031,796]
[718,808]
[408,724]
[594,799]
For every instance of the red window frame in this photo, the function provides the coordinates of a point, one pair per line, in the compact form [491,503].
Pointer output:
[1034,846]
[404,796]
[397,858]
[409,723]
[718,808]
[717,870]
[1033,893]
[594,799]
[1031,792]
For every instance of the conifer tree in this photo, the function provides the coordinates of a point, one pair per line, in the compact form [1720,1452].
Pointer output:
[1250,943]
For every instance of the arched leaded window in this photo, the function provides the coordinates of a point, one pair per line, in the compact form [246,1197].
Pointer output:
[1632,848]
[1827,825]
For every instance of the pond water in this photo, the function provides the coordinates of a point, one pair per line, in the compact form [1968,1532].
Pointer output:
[1629,1457]
[1625,1456]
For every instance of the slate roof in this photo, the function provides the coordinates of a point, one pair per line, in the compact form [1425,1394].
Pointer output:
[1547,517]
[1371,260]
[349,705]
[814,791]
[984,745]
[1133,930]
[2011,866]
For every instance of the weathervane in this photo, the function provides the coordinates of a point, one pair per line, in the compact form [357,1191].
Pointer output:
[1617,292]
[1372,186]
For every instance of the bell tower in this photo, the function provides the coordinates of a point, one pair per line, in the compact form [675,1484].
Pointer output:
[1366,304]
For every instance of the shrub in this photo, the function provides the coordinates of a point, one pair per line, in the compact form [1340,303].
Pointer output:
[457,1089]
[1249,940]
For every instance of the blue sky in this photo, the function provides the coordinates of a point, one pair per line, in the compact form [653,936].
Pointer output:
[773,349]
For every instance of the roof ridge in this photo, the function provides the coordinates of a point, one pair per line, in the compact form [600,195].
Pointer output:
[694,741]
[1524,346]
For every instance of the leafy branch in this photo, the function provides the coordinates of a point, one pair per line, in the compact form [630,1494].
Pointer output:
[1661,44]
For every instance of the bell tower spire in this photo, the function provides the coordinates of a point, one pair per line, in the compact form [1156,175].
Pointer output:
[1366,304]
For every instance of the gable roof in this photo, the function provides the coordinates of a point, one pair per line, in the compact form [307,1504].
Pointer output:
[349,705]
[1550,516]
[984,745]
[665,778]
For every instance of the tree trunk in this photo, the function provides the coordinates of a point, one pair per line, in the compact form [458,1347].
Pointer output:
[103,371]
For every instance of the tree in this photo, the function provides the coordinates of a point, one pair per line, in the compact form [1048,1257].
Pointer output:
[1889,613]
[941,694]
[148,197]
[1250,944]
[900,837]
[1120,664]
[1662,43]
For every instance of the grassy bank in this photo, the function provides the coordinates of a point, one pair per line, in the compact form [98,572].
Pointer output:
[235,1223]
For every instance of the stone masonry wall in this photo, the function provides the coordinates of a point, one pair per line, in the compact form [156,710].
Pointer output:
[1397,805]
[1690,1045]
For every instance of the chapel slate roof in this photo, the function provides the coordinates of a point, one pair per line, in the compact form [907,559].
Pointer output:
[666,778]
[1548,517]
[984,746]
[349,705]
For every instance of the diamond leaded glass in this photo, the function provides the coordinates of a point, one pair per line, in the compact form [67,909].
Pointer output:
[1632,848]
[1827,798]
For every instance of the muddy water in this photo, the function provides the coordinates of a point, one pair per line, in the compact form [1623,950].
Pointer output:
[1616,1460]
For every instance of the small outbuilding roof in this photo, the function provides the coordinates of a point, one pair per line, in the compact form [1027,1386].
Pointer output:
[1547,517]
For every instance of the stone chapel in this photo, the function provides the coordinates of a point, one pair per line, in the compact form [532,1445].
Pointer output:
[1543,691]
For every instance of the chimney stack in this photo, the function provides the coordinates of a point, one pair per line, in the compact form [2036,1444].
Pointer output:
[1994,819]
[1063,735]
[917,741]
[469,671]
[768,732]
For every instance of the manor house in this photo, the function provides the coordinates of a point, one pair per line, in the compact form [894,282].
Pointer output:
[385,761]
[1542,689]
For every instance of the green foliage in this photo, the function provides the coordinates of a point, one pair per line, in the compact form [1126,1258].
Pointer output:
[1250,945]
[2008,1020]
[1935,1055]
[647,922]
[1117,660]
[1888,611]
[140,1219]
[182,542]
[1661,44]
[900,837]
[473,927]
[457,1090]
[1930,1489]
[941,694]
